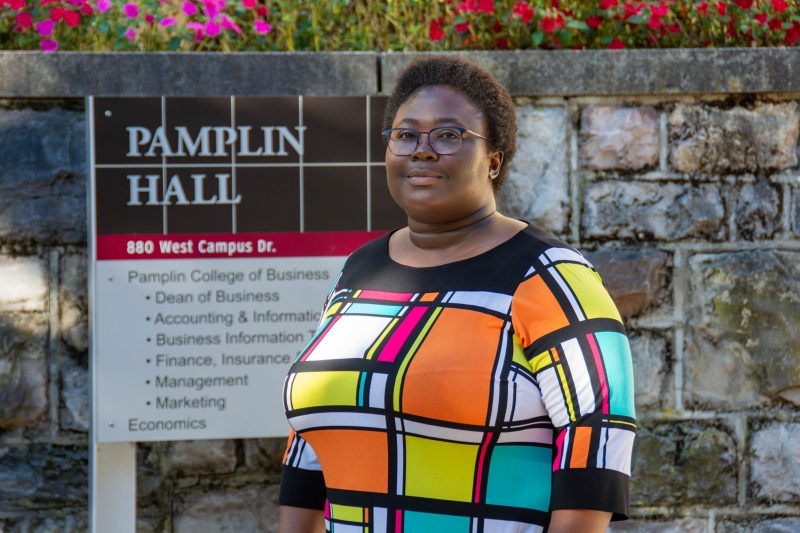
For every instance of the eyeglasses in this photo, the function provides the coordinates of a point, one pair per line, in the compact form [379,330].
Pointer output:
[445,140]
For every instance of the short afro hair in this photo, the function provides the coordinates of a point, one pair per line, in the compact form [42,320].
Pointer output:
[482,89]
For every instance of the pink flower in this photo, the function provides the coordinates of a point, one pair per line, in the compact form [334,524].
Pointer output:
[654,23]
[45,27]
[616,44]
[212,29]
[189,8]
[24,19]
[103,5]
[594,21]
[131,10]
[461,28]
[249,4]
[198,30]
[130,34]
[48,45]
[228,24]
[168,21]
[262,27]
[608,4]
[212,8]
[150,19]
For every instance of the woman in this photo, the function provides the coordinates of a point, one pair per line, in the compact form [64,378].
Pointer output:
[470,372]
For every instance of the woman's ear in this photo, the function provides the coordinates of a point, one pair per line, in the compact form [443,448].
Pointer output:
[495,163]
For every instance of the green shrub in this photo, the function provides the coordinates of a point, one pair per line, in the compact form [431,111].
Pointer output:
[251,25]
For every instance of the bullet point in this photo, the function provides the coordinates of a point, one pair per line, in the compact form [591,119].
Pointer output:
[148,382]
[148,319]
[148,403]
[146,297]
[148,339]
[110,279]
[148,360]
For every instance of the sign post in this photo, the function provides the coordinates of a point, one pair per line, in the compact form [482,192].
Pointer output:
[217,227]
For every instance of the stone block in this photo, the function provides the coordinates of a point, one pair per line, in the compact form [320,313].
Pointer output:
[650,367]
[44,191]
[23,369]
[75,413]
[73,290]
[743,332]
[683,525]
[795,210]
[769,525]
[619,138]
[69,523]
[684,463]
[775,449]
[24,282]
[195,457]
[43,476]
[758,211]
[635,278]
[662,211]
[537,188]
[717,141]
[232,510]
[264,455]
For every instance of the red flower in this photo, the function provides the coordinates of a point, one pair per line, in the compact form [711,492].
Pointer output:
[744,4]
[661,10]
[632,10]
[761,18]
[793,34]
[654,23]
[722,8]
[551,24]
[501,43]
[72,18]
[594,21]
[14,4]
[616,44]
[86,9]
[524,11]
[485,6]
[461,28]
[702,8]
[608,4]
[779,5]
[674,28]
[262,11]
[497,27]
[57,13]
[435,31]
[45,2]
[467,6]
[554,4]
[25,20]
[775,24]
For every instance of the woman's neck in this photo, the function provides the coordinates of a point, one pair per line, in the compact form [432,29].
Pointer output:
[440,237]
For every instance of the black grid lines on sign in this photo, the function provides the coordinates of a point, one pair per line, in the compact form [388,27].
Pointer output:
[240,164]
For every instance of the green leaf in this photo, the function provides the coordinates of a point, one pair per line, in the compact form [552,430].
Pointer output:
[537,38]
[577,25]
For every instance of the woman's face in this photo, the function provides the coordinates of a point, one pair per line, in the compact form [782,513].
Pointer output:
[433,188]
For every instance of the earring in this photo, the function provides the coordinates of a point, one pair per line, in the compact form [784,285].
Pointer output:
[493,173]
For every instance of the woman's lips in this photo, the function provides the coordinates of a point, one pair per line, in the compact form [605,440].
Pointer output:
[423,178]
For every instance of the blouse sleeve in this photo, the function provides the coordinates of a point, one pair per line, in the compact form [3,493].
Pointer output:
[302,483]
[575,344]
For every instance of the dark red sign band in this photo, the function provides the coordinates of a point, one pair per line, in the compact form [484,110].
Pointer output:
[222,245]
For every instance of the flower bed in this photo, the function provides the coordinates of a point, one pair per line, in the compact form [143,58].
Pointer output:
[251,25]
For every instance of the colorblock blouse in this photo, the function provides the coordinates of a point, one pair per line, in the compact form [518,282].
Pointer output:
[478,395]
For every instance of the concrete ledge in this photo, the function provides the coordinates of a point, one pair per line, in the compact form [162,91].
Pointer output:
[535,73]
[69,74]
[623,72]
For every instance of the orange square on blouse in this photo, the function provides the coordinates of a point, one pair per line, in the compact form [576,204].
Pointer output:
[352,459]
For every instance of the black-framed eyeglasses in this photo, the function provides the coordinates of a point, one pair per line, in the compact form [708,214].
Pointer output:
[444,140]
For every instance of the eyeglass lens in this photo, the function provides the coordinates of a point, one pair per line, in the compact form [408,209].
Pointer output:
[444,141]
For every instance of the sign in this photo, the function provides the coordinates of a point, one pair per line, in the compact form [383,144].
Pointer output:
[217,227]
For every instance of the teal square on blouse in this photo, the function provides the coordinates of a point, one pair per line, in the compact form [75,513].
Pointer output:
[440,523]
[616,355]
[519,476]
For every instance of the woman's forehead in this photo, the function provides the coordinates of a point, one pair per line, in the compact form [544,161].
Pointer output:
[440,104]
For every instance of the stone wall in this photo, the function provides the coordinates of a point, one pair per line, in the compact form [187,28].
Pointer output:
[688,205]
